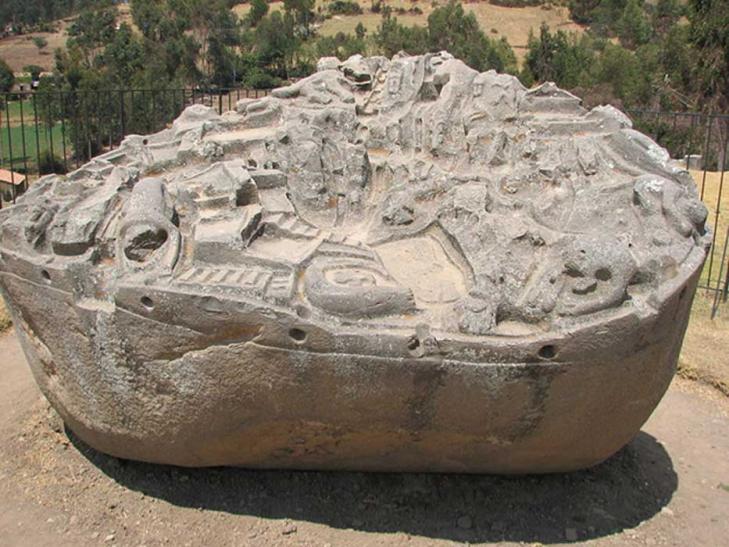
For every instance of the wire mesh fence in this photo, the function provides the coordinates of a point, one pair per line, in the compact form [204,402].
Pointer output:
[56,132]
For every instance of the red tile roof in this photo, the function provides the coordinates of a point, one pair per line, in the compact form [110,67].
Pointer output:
[9,177]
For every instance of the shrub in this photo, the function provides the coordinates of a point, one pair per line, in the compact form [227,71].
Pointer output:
[344,7]
[7,78]
[50,163]
[40,42]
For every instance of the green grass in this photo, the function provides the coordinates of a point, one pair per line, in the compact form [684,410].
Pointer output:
[46,140]
[11,110]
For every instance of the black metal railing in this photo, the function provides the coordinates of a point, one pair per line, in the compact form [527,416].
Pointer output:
[55,132]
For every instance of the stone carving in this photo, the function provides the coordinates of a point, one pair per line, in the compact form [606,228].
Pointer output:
[392,264]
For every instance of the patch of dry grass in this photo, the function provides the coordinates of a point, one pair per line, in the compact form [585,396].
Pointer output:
[5,322]
[718,220]
[706,345]
[20,51]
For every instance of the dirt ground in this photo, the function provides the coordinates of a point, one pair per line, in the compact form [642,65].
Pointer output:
[669,486]
[705,352]
[20,51]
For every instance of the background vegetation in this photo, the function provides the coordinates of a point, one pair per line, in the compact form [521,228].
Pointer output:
[665,54]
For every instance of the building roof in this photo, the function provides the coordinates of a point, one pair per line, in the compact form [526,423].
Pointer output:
[9,177]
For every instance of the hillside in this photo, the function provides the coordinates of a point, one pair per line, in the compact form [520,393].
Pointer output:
[20,51]
[512,23]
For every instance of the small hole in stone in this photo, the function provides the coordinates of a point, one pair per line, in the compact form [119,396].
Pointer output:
[413,344]
[46,276]
[147,303]
[547,352]
[297,335]
[252,163]
[603,274]
[145,141]
[303,312]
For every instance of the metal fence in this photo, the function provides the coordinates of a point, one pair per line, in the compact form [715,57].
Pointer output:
[700,142]
[56,132]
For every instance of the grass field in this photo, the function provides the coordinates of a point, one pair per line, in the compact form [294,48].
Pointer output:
[11,110]
[711,185]
[45,140]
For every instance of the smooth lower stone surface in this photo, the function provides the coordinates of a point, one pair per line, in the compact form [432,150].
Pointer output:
[390,265]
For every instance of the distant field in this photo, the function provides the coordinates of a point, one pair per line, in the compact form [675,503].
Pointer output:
[512,23]
[20,51]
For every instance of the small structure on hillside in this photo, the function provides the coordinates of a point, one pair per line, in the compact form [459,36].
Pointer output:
[12,185]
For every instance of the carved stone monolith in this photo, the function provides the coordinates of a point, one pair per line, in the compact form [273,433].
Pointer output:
[389,265]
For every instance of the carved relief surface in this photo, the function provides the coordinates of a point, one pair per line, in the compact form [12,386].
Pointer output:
[406,210]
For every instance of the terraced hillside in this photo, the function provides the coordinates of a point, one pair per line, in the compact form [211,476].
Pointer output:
[512,23]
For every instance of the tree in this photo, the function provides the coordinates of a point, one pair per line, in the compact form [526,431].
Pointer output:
[392,37]
[259,9]
[276,42]
[666,14]
[360,31]
[7,78]
[633,27]
[558,57]
[303,14]
[341,45]
[92,30]
[124,56]
[581,11]
[34,71]
[40,42]
[709,35]
[623,71]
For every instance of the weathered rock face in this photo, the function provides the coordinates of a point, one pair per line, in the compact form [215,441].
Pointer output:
[392,264]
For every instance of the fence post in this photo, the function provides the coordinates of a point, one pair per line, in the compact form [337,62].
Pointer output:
[22,136]
[717,294]
[37,137]
[10,150]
